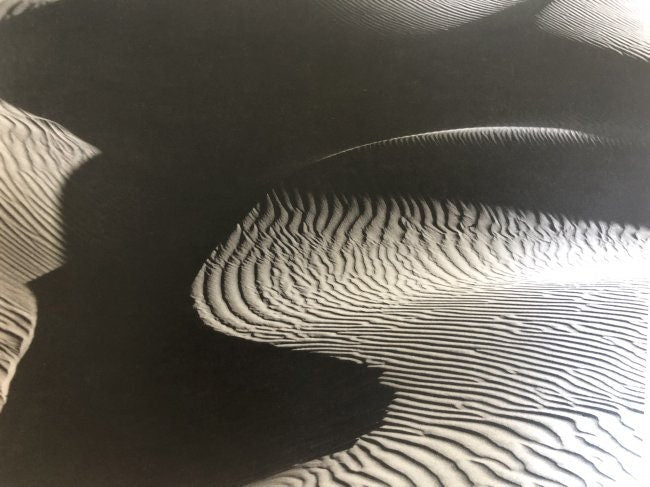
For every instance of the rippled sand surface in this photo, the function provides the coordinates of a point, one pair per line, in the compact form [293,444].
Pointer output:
[194,192]
[515,339]
[37,157]
[620,25]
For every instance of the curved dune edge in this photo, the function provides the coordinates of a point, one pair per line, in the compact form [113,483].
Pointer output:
[11,8]
[36,158]
[619,25]
[413,17]
[493,136]
[515,340]
[17,323]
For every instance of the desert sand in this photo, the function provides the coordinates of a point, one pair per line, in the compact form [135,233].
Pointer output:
[514,339]
[622,26]
[192,193]
[413,18]
[37,157]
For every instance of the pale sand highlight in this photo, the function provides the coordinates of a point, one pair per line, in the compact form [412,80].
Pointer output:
[495,136]
[515,339]
[620,25]
[413,16]
[36,158]
[11,8]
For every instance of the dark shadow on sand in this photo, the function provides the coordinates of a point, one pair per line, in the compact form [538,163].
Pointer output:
[197,108]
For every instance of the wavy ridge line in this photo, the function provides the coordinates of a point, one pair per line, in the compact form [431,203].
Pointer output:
[492,136]
[36,158]
[515,340]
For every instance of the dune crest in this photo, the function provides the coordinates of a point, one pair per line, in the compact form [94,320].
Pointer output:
[619,25]
[490,137]
[37,156]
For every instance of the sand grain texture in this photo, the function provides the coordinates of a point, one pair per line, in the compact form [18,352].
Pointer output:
[619,25]
[515,340]
[507,316]
[36,158]
[413,17]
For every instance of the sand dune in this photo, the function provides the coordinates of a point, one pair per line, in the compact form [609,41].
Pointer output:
[414,16]
[515,339]
[620,25]
[492,288]
[37,157]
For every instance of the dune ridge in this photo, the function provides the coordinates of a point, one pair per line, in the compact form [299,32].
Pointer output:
[485,136]
[619,25]
[515,340]
[37,156]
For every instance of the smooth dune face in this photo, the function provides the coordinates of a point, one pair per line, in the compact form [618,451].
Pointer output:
[619,25]
[414,16]
[36,156]
[515,340]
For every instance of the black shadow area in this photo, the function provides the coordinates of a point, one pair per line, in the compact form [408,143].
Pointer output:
[123,385]
[569,177]
[197,106]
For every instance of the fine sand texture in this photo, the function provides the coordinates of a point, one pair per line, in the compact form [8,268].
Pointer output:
[464,306]
[515,340]
[620,25]
[413,17]
[37,156]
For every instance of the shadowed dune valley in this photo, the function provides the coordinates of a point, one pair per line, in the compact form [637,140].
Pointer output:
[338,243]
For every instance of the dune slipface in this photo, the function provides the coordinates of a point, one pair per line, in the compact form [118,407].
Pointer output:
[37,156]
[620,25]
[515,339]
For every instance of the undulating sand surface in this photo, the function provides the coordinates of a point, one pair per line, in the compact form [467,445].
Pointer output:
[411,17]
[36,156]
[620,25]
[515,339]
[494,277]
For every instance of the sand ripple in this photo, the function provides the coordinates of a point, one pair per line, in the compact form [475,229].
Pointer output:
[413,16]
[515,339]
[620,25]
[36,158]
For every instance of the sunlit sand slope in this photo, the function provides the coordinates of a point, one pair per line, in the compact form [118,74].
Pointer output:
[36,158]
[620,25]
[515,340]
[413,17]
